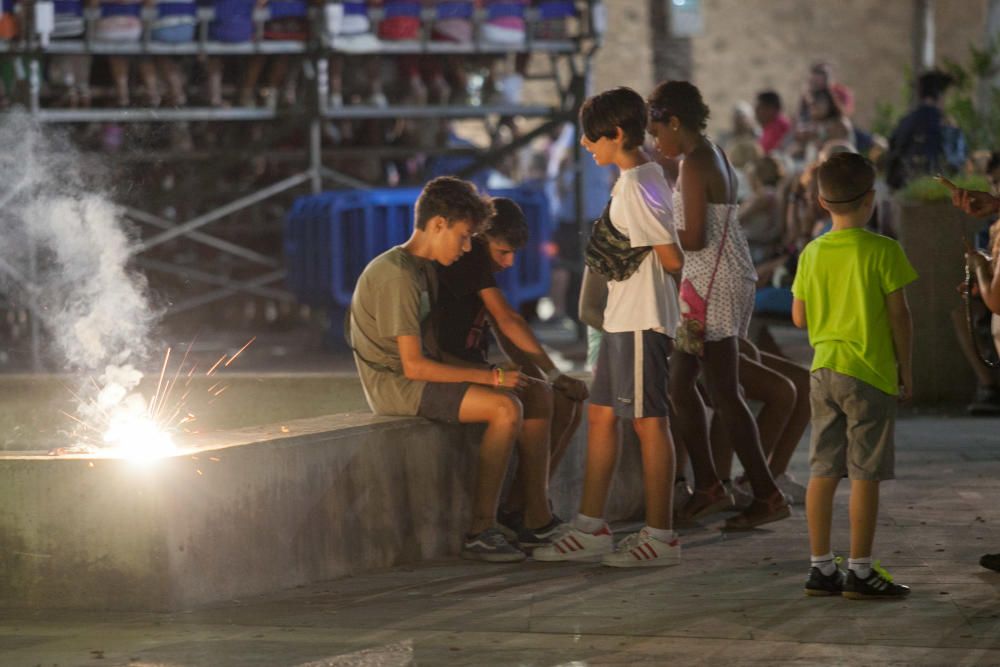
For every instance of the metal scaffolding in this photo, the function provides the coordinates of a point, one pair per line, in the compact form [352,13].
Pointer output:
[569,67]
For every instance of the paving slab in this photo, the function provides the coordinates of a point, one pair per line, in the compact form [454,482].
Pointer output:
[736,599]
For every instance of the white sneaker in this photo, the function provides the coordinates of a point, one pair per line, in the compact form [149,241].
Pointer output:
[643,550]
[574,544]
[794,491]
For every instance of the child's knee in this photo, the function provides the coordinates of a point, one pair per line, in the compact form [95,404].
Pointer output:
[508,410]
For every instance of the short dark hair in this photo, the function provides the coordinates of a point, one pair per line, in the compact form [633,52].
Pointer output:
[933,84]
[681,99]
[507,223]
[769,98]
[454,200]
[844,179]
[602,115]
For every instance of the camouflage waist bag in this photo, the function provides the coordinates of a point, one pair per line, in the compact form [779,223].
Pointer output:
[609,252]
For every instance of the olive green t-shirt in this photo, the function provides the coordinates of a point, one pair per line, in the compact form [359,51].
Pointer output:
[392,298]
[843,277]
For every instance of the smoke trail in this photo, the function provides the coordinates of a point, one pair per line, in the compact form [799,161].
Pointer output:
[65,249]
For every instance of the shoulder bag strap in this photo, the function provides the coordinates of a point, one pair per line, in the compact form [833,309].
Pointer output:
[725,228]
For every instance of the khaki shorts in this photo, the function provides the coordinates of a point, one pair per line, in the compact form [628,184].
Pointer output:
[853,427]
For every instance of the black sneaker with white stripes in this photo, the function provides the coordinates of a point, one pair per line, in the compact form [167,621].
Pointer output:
[876,586]
[819,584]
[491,546]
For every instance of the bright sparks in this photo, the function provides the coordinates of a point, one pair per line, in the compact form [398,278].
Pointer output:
[137,437]
[119,422]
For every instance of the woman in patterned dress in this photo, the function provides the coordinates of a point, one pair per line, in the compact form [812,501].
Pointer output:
[705,213]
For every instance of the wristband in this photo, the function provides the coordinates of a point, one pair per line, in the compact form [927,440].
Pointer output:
[553,375]
[499,373]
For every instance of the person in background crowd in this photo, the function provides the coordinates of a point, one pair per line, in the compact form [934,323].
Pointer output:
[774,124]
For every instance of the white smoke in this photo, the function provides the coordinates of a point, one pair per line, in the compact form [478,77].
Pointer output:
[64,251]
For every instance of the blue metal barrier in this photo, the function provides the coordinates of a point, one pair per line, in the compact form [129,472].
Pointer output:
[331,237]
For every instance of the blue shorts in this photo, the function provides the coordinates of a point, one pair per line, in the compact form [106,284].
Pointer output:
[632,373]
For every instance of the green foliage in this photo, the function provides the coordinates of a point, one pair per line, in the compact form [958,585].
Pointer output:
[974,100]
[928,189]
[887,114]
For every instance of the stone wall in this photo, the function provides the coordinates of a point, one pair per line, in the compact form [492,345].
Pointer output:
[749,45]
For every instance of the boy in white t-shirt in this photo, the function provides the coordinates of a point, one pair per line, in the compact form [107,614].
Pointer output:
[630,379]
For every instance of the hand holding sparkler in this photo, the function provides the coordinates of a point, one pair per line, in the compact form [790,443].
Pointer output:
[975,203]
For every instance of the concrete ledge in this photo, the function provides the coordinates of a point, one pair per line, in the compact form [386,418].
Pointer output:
[249,511]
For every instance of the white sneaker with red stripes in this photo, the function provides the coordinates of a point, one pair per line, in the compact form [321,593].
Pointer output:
[574,544]
[643,550]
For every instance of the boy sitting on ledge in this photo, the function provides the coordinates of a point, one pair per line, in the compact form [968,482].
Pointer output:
[391,331]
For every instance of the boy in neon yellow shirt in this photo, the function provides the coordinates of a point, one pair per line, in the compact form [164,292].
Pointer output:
[849,290]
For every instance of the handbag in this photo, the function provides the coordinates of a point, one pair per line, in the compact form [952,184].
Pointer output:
[690,336]
[609,252]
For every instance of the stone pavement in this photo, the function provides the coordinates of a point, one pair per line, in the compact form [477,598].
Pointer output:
[737,598]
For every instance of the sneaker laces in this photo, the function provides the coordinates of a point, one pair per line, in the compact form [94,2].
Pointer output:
[630,542]
[877,567]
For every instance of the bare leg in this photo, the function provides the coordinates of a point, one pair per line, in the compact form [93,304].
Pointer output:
[819,512]
[529,491]
[119,73]
[602,455]
[501,412]
[798,419]
[690,420]
[566,417]
[151,82]
[657,469]
[864,513]
[722,377]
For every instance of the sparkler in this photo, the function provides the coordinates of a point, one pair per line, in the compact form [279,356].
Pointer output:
[124,425]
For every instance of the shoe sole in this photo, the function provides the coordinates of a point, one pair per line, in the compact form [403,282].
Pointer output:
[494,558]
[718,506]
[820,593]
[565,558]
[642,563]
[770,518]
[854,595]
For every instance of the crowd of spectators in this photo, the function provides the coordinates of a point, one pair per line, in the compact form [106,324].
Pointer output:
[778,153]
[359,27]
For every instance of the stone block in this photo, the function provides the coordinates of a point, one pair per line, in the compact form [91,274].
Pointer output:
[252,510]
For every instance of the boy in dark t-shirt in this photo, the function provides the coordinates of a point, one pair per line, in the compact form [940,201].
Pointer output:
[391,335]
[469,305]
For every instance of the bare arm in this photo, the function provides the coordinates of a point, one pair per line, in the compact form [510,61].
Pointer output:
[418,367]
[519,343]
[515,328]
[902,338]
[695,205]
[799,313]
[593,298]
[671,257]
[989,283]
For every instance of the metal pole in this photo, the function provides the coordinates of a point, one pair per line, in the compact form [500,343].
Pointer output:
[923,36]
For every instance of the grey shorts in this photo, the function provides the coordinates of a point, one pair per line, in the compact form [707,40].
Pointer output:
[853,426]
[441,401]
[632,373]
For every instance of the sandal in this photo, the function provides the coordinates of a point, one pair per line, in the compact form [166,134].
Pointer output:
[760,512]
[704,502]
